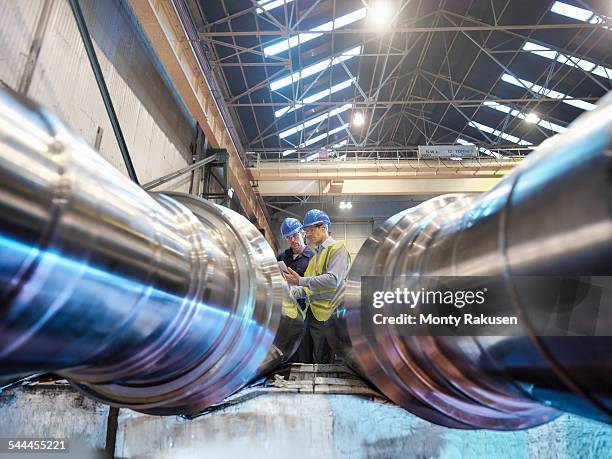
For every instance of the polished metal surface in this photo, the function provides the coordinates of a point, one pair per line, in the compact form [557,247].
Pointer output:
[135,298]
[551,217]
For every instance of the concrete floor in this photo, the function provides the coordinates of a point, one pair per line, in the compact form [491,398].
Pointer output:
[337,417]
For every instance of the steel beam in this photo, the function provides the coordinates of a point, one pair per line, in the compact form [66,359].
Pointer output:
[416,186]
[448,29]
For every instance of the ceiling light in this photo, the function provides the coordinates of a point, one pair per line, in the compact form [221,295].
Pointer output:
[379,14]
[532,118]
[346,205]
[315,68]
[358,119]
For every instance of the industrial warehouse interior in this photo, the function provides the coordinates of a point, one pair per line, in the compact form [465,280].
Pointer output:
[306,228]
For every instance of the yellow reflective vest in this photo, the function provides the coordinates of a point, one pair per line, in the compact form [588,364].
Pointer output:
[290,308]
[320,301]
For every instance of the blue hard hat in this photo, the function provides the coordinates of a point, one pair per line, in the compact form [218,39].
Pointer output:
[290,226]
[316,217]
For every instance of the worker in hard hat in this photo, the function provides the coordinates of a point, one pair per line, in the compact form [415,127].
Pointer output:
[323,277]
[297,257]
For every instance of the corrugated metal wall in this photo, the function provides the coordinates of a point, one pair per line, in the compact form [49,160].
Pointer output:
[156,127]
[353,233]
[17,25]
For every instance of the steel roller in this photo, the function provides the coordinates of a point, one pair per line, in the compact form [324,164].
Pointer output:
[163,303]
[552,216]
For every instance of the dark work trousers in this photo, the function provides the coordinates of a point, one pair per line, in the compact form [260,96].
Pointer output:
[303,354]
[317,332]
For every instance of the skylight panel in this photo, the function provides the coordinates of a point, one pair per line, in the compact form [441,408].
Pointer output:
[581,104]
[567,59]
[315,68]
[503,135]
[320,137]
[571,11]
[517,114]
[301,38]
[574,12]
[314,121]
[316,139]
[268,5]
[340,144]
[318,96]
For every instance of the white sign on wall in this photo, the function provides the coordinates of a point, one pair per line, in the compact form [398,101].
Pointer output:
[447,151]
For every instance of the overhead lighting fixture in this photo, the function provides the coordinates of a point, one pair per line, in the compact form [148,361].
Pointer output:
[288,152]
[305,37]
[580,14]
[497,133]
[462,141]
[346,205]
[314,121]
[315,97]
[566,59]
[581,104]
[358,119]
[268,5]
[315,68]
[530,118]
[379,14]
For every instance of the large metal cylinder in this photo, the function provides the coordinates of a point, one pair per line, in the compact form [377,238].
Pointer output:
[135,298]
[551,217]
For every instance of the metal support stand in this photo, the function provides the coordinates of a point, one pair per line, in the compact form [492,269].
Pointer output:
[217,170]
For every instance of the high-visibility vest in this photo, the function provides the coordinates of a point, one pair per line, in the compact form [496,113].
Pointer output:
[319,301]
[291,309]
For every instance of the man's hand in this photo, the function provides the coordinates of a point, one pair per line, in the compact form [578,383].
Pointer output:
[291,277]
